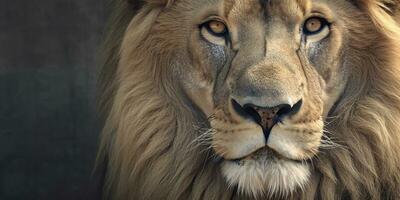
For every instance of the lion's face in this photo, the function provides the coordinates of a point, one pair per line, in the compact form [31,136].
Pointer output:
[266,74]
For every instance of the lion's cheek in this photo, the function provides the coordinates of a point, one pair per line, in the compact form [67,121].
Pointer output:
[202,98]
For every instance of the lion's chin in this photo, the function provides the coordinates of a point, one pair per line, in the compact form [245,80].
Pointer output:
[266,175]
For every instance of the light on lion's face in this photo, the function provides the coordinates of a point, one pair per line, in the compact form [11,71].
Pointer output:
[262,74]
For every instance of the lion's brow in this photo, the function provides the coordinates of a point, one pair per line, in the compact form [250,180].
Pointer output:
[228,6]
[302,5]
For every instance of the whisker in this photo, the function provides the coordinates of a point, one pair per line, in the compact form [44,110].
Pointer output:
[328,142]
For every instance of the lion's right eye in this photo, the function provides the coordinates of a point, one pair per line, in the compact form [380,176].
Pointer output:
[215,32]
[316,29]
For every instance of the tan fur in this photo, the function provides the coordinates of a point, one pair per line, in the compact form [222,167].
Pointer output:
[149,144]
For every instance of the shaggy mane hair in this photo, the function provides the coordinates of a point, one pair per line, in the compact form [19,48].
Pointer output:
[147,142]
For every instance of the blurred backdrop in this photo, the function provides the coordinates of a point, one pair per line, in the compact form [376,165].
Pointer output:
[48,126]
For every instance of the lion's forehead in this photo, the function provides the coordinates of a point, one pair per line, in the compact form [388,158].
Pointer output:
[248,8]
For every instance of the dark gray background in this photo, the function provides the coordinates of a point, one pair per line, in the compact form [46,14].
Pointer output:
[48,126]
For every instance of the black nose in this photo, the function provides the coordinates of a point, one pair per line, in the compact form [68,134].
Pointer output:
[256,112]
[266,117]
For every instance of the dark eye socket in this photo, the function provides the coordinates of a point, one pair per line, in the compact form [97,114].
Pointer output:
[314,25]
[216,28]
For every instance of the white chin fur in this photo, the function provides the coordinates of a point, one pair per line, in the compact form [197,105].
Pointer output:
[266,177]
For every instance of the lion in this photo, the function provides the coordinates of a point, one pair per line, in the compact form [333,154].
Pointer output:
[251,99]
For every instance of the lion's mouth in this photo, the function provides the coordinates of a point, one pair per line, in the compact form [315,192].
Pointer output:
[266,118]
[265,154]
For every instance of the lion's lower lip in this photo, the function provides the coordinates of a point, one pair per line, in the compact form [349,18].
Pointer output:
[265,153]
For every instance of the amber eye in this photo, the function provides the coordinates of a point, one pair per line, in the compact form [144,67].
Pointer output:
[216,28]
[215,31]
[314,25]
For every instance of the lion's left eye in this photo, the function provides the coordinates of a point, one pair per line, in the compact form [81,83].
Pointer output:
[316,28]
[217,28]
[215,32]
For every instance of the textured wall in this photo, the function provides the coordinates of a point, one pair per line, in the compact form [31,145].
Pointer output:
[48,132]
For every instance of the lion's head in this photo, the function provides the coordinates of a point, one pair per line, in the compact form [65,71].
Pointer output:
[215,99]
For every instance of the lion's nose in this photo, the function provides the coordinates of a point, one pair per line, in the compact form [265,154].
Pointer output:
[266,117]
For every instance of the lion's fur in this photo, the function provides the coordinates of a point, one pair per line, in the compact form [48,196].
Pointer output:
[146,142]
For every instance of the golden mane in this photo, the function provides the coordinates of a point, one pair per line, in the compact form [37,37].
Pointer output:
[146,145]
